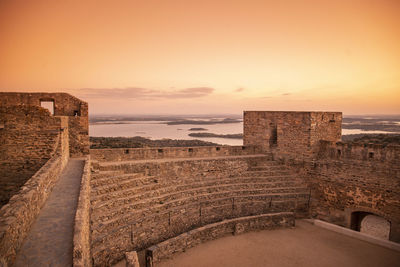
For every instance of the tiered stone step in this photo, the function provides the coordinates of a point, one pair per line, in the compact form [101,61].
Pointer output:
[136,209]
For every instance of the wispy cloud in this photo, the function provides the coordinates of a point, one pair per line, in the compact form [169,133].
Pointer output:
[241,89]
[286,94]
[144,93]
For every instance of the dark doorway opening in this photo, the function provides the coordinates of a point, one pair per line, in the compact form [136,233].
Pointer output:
[273,137]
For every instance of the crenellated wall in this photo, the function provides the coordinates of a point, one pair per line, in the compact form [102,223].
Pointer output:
[121,154]
[350,177]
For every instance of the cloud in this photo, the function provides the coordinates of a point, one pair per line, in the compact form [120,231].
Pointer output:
[143,93]
[239,90]
[286,94]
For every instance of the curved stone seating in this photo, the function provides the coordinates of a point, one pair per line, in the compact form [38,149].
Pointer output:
[135,205]
[167,200]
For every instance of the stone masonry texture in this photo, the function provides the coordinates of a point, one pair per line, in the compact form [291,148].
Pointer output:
[167,199]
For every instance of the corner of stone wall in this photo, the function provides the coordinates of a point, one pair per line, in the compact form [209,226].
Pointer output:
[81,243]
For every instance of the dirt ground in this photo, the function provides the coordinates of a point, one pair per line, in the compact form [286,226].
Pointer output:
[305,245]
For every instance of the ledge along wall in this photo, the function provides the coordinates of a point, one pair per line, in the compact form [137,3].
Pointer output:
[121,154]
[64,105]
[29,133]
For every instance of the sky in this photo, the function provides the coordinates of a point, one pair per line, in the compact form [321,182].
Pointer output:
[208,56]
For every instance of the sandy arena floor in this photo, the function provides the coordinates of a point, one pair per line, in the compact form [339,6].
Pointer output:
[305,245]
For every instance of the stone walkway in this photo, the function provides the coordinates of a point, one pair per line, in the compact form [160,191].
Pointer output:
[49,242]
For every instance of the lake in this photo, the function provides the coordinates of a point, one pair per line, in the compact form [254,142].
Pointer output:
[159,130]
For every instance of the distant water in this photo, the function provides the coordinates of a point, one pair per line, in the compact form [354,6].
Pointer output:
[157,130]
[160,130]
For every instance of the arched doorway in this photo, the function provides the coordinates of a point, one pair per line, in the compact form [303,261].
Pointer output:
[370,224]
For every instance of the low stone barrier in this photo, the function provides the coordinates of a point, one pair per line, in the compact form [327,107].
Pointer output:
[213,231]
[18,215]
[120,154]
[81,250]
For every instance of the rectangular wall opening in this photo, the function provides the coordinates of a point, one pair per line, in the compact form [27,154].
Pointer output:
[273,138]
[48,104]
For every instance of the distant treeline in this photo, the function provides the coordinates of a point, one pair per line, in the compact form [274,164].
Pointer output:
[393,139]
[231,136]
[203,122]
[139,142]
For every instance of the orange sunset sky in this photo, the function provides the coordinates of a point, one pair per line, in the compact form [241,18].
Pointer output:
[191,57]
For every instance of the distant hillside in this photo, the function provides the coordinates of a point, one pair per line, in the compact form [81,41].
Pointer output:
[373,138]
[138,142]
[231,136]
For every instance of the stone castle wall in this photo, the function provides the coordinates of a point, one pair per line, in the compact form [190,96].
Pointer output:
[64,105]
[121,154]
[28,135]
[347,178]
[294,133]
[131,199]
[17,216]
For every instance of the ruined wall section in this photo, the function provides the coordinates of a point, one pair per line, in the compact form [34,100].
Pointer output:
[28,135]
[64,105]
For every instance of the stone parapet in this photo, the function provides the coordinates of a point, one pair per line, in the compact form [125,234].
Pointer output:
[81,249]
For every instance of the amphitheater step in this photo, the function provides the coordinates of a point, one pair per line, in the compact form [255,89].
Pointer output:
[114,193]
[268,168]
[115,165]
[114,179]
[169,200]
[266,173]
[104,174]
[143,218]
[138,183]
